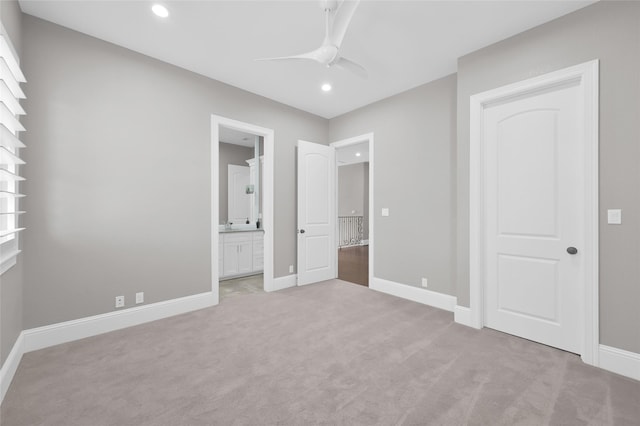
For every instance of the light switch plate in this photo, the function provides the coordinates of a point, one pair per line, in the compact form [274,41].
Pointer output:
[614,217]
[385,211]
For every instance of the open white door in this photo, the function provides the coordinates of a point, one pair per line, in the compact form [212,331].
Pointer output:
[316,213]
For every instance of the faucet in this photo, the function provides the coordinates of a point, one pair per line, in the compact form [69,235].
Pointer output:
[227,225]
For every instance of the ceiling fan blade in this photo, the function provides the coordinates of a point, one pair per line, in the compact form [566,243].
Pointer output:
[340,22]
[308,55]
[323,55]
[355,68]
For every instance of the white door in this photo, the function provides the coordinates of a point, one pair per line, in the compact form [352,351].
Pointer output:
[534,216]
[316,213]
[239,202]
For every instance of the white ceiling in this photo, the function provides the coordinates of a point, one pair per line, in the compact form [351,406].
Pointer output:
[403,44]
[347,155]
[236,137]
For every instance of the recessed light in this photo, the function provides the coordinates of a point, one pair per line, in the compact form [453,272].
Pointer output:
[326,87]
[357,154]
[160,10]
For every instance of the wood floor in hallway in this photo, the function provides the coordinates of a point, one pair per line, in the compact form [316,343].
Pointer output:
[353,265]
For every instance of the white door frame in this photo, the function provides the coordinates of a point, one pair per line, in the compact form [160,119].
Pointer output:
[368,137]
[267,197]
[586,75]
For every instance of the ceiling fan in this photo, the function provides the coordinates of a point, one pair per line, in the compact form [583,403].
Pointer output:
[338,14]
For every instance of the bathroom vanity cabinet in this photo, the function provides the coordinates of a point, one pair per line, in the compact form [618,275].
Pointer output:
[240,253]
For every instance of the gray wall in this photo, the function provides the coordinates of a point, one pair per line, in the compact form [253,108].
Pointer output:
[609,31]
[414,148]
[230,154]
[11,282]
[118,174]
[353,189]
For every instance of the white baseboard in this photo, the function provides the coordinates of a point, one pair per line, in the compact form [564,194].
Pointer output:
[619,361]
[416,294]
[462,315]
[55,334]
[10,365]
[287,281]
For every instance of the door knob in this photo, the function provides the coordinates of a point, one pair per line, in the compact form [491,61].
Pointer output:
[302,231]
[572,250]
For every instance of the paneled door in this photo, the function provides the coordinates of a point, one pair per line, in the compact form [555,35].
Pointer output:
[316,213]
[534,216]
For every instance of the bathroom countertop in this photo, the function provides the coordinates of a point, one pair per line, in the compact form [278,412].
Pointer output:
[231,231]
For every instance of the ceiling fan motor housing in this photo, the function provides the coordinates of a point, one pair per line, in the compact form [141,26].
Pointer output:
[329,4]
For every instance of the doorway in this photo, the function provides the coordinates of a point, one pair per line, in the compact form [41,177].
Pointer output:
[241,207]
[534,210]
[355,255]
[318,224]
[352,164]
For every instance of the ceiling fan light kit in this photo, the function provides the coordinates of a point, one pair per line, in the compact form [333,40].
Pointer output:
[338,15]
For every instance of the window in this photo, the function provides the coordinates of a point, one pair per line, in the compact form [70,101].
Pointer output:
[10,127]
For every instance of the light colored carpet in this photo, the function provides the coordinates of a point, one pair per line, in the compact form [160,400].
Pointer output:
[328,353]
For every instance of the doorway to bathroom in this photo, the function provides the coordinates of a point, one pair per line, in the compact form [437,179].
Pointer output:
[354,197]
[242,208]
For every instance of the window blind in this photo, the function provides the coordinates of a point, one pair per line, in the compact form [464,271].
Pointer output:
[10,145]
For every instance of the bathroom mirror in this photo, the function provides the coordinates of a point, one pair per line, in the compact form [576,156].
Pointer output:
[240,178]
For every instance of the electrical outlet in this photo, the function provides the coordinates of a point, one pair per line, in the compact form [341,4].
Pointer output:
[291,269]
[119,301]
[424,282]
[140,297]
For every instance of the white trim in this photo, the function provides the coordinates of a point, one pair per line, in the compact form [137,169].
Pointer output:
[462,315]
[352,141]
[267,197]
[9,261]
[287,281]
[416,294]
[55,334]
[620,361]
[10,365]
[587,75]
